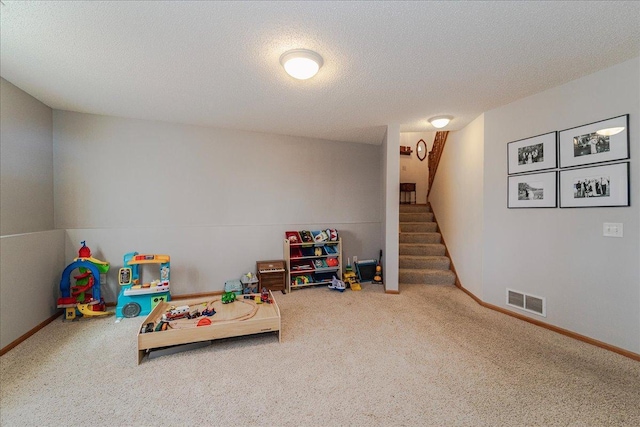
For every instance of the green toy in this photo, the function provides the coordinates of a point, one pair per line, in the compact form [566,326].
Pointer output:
[228,297]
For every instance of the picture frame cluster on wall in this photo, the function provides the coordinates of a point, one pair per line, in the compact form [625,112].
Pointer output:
[575,167]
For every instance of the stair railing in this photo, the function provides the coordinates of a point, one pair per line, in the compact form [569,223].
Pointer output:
[435,154]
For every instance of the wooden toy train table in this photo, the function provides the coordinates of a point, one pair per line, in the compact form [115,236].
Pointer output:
[242,317]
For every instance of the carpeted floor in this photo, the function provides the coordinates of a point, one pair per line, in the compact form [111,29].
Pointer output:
[430,356]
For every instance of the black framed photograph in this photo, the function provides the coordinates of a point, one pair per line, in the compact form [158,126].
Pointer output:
[532,154]
[536,190]
[602,141]
[595,186]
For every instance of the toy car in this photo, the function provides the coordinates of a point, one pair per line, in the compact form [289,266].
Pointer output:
[264,295]
[208,312]
[228,297]
[147,328]
[176,313]
[193,314]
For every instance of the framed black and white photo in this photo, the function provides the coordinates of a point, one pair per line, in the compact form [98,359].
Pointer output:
[536,190]
[606,185]
[532,154]
[597,142]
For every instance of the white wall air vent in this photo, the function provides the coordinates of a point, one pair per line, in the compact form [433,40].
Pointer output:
[515,298]
[535,304]
[526,302]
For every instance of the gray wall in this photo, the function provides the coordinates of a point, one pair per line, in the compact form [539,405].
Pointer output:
[591,283]
[32,253]
[390,152]
[457,201]
[215,200]
[30,270]
[26,156]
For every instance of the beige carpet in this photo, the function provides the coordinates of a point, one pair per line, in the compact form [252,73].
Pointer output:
[430,356]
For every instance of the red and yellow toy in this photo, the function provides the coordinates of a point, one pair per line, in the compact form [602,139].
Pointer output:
[83,298]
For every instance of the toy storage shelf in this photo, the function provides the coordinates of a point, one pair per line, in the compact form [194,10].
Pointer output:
[312,263]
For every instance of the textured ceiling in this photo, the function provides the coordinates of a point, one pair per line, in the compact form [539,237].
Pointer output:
[217,63]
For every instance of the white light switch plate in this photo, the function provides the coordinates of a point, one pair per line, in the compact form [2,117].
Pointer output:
[612,229]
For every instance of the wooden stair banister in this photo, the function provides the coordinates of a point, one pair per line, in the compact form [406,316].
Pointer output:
[435,154]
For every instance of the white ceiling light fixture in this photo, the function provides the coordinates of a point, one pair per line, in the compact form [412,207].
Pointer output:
[440,121]
[610,131]
[301,64]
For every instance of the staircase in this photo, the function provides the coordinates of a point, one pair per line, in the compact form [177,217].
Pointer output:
[422,254]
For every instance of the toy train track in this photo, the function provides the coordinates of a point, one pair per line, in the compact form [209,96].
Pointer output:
[186,317]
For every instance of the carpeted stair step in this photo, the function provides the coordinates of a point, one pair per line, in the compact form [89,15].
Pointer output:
[424,262]
[416,217]
[418,227]
[420,237]
[424,249]
[422,257]
[427,276]
[415,208]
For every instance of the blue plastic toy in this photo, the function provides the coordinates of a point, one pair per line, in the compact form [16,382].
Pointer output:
[136,298]
[82,297]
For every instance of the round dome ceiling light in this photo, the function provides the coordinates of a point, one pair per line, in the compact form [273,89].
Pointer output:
[301,64]
[440,121]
